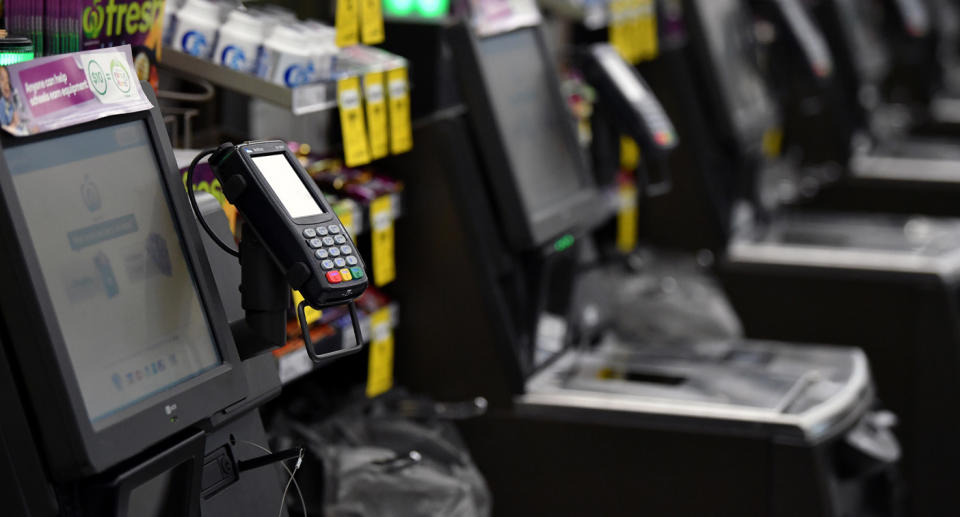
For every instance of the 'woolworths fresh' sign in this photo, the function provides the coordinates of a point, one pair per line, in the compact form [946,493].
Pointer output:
[109,18]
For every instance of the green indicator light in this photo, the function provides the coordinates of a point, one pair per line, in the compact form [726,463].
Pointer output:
[398,7]
[433,8]
[15,49]
[12,58]
[563,242]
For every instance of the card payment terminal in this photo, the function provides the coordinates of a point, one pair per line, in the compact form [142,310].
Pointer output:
[299,229]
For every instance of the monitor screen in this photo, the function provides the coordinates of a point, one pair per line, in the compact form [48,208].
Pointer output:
[123,297]
[727,30]
[287,185]
[861,20]
[533,121]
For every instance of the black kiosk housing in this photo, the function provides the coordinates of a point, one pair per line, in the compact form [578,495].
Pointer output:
[892,158]
[884,283]
[123,431]
[487,307]
[73,447]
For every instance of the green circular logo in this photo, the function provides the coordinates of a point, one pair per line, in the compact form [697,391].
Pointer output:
[98,79]
[121,76]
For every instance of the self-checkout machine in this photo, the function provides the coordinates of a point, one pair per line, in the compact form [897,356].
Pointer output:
[503,197]
[127,390]
[894,157]
[883,283]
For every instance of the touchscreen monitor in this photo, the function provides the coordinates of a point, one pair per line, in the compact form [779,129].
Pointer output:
[124,298]
[728,32]
[545,161]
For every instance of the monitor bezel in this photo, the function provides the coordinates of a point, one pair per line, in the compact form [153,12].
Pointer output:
[523,230]
[72,447]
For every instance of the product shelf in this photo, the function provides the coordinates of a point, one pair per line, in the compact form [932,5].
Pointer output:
[309,98]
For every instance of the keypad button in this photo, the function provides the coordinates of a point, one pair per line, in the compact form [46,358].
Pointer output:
[309,233]
[322,230]
[351,260]
[345,275]
[322,254]
[315,243]
[334,228]
[328,241]
[334,252]
[339,262]
[327,264]
[346,250]
[339,239]
[334,277]
[357,272]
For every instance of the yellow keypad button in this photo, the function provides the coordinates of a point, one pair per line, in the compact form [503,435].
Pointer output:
[345,275]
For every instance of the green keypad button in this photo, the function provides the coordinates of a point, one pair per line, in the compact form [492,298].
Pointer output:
[357,272]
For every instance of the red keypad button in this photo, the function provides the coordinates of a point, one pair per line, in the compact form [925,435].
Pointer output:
[334,277]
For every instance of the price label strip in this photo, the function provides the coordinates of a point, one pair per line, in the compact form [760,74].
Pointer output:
[618,28]
[294,364]
[347,23]
[355,148]
[629,154]
[376,114]
[382,244]
[631,28]
[627,232]
[347,220]
[380,366]
[401,135]
[312,314]
[772,142]
[648,42]
[371,22]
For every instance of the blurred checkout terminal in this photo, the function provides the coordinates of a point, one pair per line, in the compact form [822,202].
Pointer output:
[417,258]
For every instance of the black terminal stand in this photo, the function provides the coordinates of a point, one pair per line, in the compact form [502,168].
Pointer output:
[263,296]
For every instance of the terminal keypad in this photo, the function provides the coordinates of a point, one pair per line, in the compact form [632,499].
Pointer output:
[335,253]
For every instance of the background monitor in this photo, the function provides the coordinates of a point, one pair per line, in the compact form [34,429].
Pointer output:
[526,134]
[109,304]
[860,20]
[726,37]
[534,127]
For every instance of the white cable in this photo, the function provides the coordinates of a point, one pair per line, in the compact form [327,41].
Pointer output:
[303,502]
[283,498]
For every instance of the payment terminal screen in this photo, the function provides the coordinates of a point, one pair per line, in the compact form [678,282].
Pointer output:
[123,296]
[531,119]
[287,185]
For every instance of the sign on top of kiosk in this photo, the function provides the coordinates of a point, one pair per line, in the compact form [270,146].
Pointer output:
[60,91]
[497,16]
